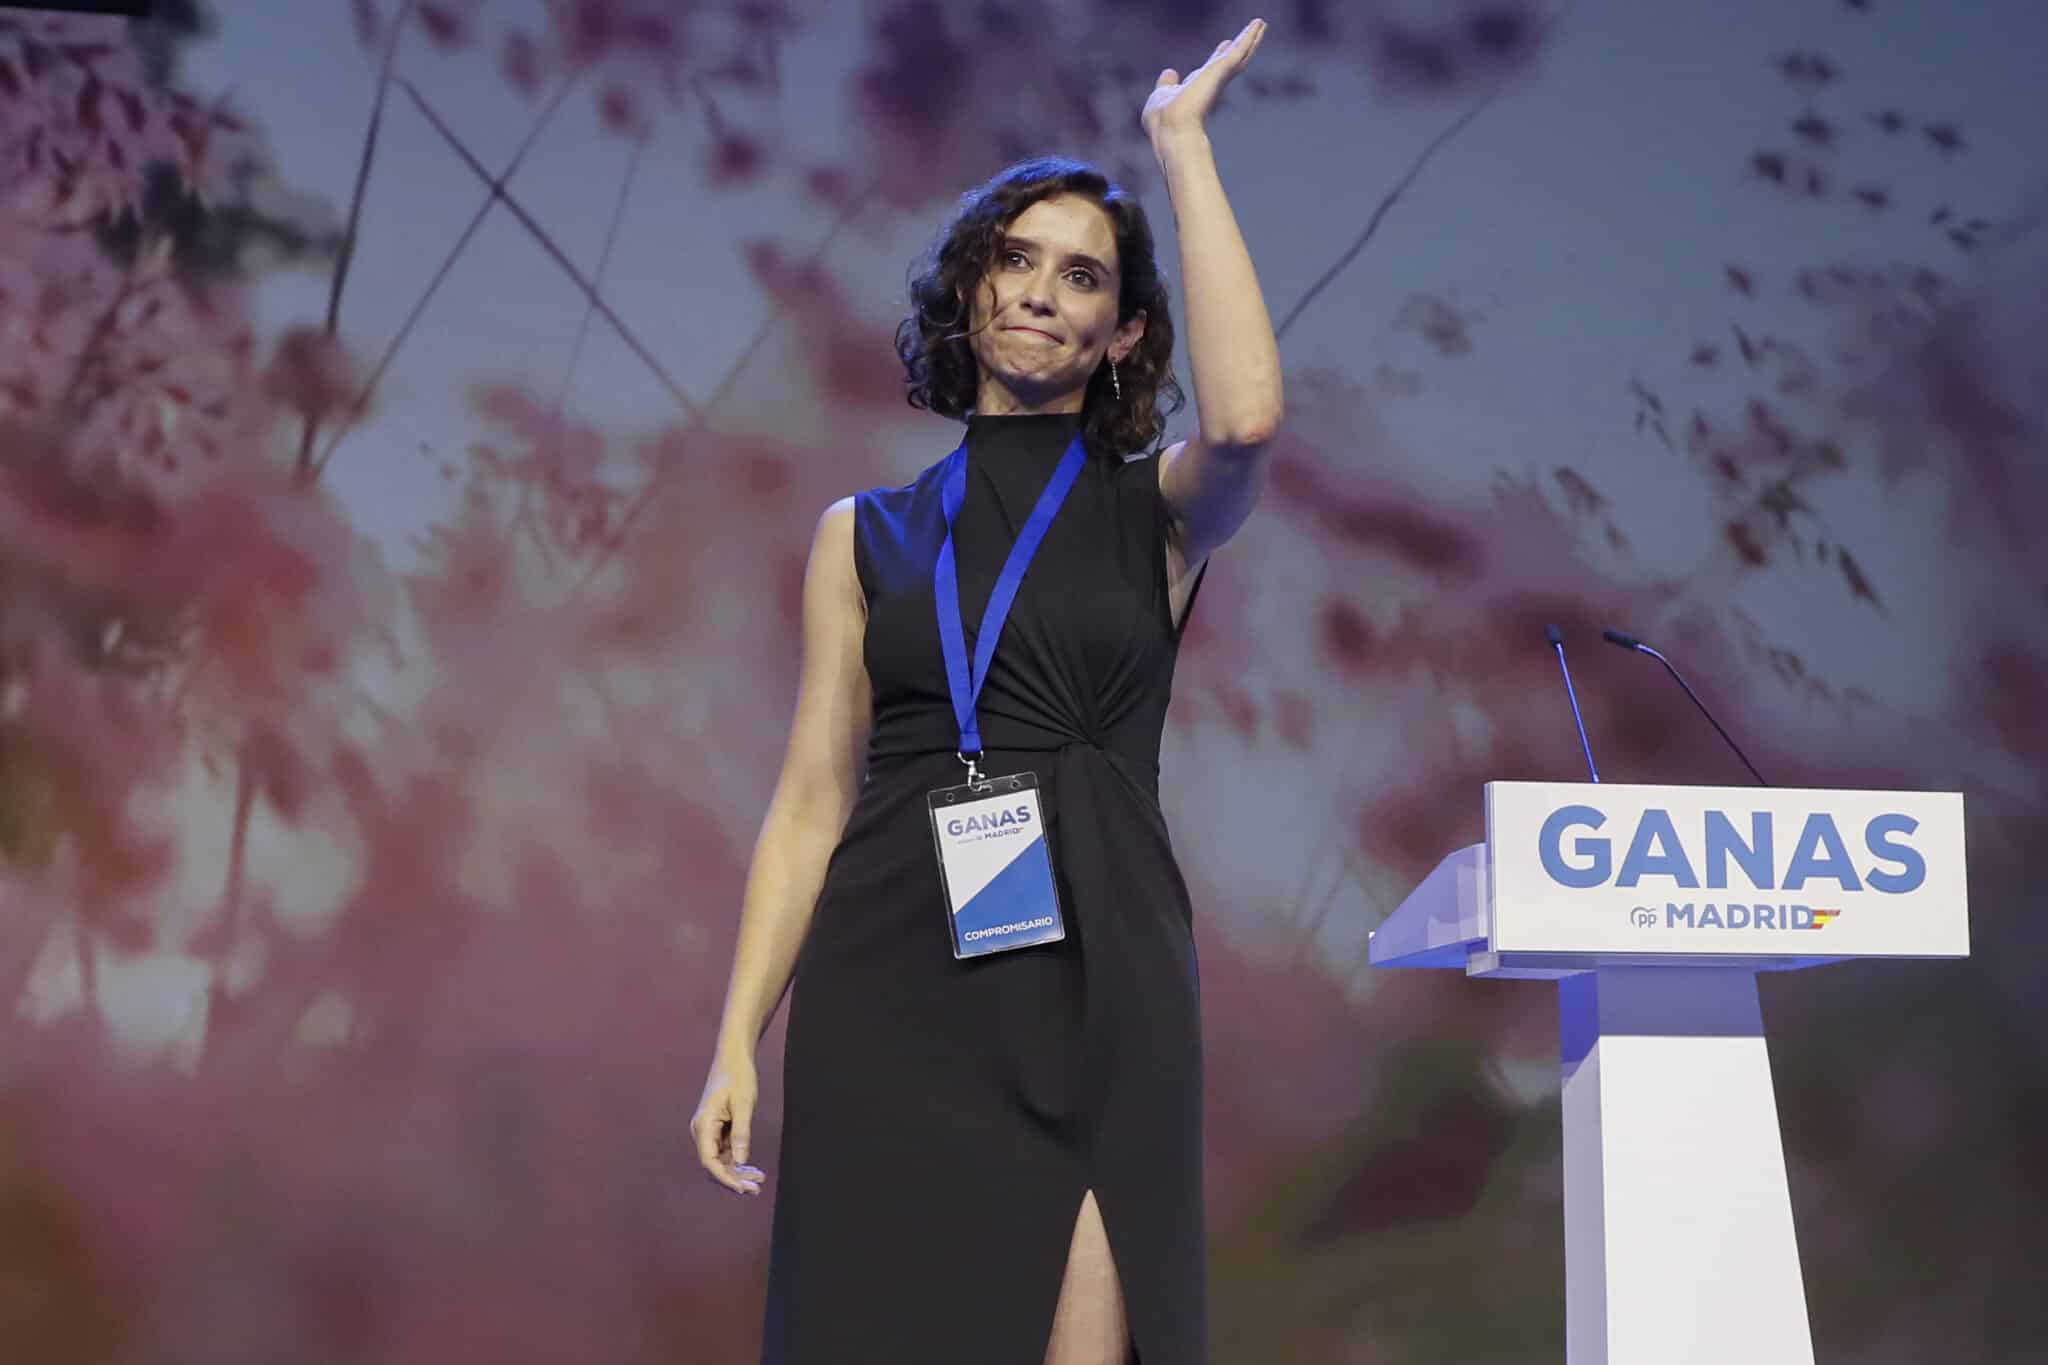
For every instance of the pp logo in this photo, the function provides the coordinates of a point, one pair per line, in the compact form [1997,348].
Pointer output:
[1643,917]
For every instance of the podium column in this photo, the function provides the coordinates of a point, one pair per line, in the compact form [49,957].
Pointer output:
[1679,1245]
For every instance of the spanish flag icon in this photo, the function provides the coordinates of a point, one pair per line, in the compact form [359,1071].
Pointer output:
[1822,918]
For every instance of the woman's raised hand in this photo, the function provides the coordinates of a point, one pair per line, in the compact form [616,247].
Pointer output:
[1180,105]
[723,1125]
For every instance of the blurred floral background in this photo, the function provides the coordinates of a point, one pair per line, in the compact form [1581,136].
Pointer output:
[412,416]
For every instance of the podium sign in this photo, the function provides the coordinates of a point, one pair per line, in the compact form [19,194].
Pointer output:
[1653,909]
[1609,869]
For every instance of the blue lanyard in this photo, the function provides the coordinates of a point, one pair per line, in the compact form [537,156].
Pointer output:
[965,687]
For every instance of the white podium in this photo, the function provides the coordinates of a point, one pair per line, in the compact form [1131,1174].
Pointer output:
[1653,908]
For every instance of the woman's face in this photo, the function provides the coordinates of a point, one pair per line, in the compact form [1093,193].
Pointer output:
[1046,312]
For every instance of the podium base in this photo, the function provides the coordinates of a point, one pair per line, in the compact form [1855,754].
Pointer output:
[1679,1245]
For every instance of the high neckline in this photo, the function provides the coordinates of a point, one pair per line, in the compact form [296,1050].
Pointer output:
[1032,441]
[1024,425]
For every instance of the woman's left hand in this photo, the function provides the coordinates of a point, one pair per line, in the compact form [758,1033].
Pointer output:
[1179,106]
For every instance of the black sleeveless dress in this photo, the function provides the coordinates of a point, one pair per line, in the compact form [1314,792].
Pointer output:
[943,1119]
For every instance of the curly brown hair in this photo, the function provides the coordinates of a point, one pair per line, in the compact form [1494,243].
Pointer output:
[938,363]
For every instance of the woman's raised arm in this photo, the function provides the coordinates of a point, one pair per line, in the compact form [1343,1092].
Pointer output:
[1212,479]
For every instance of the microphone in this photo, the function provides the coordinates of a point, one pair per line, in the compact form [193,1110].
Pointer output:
[1556,638]
[1629,642]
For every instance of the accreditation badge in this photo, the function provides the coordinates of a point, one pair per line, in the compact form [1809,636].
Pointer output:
[995,862]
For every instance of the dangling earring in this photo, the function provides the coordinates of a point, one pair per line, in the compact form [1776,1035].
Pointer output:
[1115,383]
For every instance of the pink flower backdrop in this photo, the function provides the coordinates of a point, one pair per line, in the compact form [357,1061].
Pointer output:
[366,895]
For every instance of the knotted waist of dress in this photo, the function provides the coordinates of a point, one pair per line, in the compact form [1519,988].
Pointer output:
[1013,748]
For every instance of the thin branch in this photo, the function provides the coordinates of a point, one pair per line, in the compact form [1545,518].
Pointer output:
[711,403]
[522,513]
[88,967]
[1305,920]
[103,326]
[547,244]
[22,941]
[1414,172]
[604,260]
[238,845]
[1386,204]
[347,252]
[419,307]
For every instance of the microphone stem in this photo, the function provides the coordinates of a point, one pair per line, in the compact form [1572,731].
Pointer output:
[1572,696]
[1703,711]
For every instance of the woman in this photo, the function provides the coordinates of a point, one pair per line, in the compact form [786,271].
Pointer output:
[994,1157]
